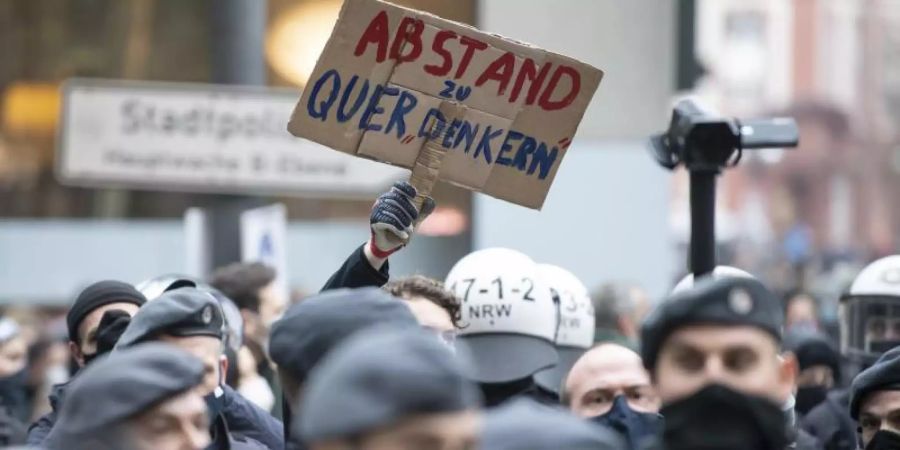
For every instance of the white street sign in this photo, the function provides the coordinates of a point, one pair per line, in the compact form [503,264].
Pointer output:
[200,138]
[264,239]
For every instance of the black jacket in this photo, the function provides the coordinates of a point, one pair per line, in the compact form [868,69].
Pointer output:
[224,439]
[830,422]
[357,272]
[12,431]
[805,441]
[38,431]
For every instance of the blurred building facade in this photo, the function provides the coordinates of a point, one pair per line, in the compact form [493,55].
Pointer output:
[832,65]
[45,42]
[788,216]
[55,239]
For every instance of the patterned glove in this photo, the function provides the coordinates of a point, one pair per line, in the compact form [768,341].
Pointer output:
[393,219]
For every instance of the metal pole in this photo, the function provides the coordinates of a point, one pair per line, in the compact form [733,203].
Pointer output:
[702,259]
[238,33]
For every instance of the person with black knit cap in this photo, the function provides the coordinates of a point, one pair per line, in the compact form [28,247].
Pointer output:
[101,311]
[820,367]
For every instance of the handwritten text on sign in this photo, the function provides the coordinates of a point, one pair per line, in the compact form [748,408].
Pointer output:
[386,71]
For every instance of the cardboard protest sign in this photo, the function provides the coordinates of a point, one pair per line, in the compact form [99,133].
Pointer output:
[387,74]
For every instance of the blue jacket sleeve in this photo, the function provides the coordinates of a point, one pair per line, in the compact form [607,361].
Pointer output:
[38,431]
[357,272]
[245,419]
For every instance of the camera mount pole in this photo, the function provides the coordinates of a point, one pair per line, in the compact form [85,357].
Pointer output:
[702,254]
[705,145]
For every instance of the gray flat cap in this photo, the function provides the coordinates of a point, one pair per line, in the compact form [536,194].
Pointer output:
[311,328]
[182,312]
[884,375]
[380,377]
[119,386]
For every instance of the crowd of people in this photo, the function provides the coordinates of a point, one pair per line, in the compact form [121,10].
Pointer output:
[504,354]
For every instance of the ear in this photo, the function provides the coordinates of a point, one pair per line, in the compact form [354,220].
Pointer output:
[787,375]
[76,353]
[223,368]
[626,327]
[250,322]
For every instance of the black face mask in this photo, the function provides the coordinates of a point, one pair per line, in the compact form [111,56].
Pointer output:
[635,427]
[112,325]
[111,328]
[884,440]
[497,393]
[717,418]
[810,397]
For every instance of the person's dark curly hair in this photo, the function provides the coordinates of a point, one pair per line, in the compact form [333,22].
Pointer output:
[429,289]
[241,283]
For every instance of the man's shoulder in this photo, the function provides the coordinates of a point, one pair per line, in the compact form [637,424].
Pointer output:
[245,443]
[247,420]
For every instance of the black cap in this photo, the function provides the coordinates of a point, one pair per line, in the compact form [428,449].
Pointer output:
[311,328]
[380,377]
[183,312]
[723,301]
[100,294]
[523,424]
[117,387]
[813,349]
[884,375]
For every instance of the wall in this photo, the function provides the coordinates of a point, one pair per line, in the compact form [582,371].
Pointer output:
[606,218]
[632,41]
[49,262]
[607,213]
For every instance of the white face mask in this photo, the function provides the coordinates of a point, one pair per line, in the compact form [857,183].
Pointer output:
[257,390]
[56,374]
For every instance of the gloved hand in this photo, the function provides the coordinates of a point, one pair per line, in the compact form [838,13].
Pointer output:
[394,218]
[112,325]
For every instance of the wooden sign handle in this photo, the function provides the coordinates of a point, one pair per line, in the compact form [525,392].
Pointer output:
[427,167]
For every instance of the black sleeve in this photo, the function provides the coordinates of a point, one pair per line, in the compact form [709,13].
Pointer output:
[357,272]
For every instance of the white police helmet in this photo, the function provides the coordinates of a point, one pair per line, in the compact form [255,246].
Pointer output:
[870,311]
[575,333]
[507,313]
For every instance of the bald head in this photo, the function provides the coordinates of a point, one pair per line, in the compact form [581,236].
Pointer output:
[604,373]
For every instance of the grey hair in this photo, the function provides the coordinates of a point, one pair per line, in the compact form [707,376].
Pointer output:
[611,302]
